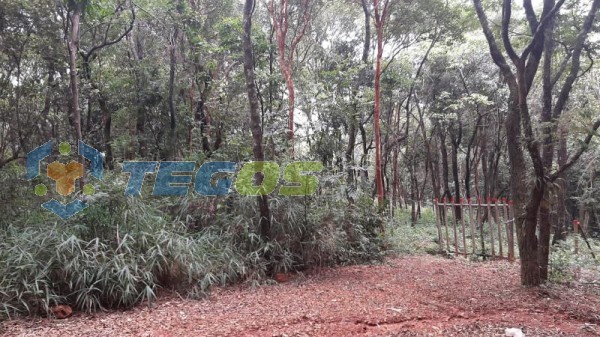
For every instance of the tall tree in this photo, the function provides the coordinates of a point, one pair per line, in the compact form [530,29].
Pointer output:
[92,53]
[280,16]
[519,124]
[255,118]
[381,12]
[173,44]
[75,11]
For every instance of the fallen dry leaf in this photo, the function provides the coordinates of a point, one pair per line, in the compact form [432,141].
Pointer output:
[405,297]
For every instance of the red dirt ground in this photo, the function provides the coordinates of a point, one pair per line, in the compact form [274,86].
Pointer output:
[409,296]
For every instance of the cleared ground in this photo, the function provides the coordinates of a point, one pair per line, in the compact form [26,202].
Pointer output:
[410,296]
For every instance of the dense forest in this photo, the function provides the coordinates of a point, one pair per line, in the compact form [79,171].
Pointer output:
[403,102]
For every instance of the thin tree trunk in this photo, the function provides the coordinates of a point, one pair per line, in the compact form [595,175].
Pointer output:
[255,118]
[73,45]
[548,149]
[363,162]
[445,170]
[456,178]
[380,18]
[47,128]
[280,17]
[172,146]
[141,101]
[350,158]
[560,231]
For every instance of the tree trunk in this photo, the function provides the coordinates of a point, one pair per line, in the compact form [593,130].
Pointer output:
[363,161]
[367,40]
[380,17]
[350,159]
[527,197]
[172,143]
[280,19]
[141,101]
[107,121]
[560,231]
[445,170]
[525,217]
[456,178]
[255,119]
[548,149]
[396,179]
[73,45]
[291,107]
[47,127]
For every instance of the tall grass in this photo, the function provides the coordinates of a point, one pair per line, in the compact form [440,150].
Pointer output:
[40,268]
[121,251]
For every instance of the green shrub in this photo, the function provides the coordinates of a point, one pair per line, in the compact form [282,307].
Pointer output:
[566,266]
[418,239]
[121,251]
[43,268]
[115,254]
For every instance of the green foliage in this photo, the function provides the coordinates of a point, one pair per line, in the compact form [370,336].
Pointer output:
[418,239]
[566,266]
[121,251]
[119,267]
[441,100]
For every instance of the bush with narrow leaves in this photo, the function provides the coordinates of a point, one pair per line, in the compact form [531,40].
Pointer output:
[121,251]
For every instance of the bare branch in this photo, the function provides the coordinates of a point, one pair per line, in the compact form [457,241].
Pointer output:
[9,160]
[565,91]
[577,155]
[506,14]
[493,45]
[106,43]
[562,68]
[531,17]
[539,33]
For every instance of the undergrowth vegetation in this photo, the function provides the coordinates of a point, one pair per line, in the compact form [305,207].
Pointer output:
[122,251]
[567,265]
[418,239]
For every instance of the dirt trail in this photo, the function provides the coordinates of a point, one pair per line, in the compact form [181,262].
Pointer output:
[411,296]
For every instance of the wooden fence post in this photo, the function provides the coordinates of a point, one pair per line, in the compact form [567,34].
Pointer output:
[462,223]
[480,210]
[473,247]
[454,224]
[445,217]
[509,227]
[499,225]
[576,235]
[437,214]
[490,219]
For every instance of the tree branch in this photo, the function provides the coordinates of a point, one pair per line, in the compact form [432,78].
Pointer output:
[493,45]
[106,43]
[506,14]
[578,154]
[531,17]
[565,91]
[9,160]
[540,31]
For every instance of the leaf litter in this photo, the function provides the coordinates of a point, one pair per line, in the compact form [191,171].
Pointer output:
[405,296]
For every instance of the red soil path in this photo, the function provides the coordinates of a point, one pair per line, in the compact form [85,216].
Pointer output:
[410,296]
